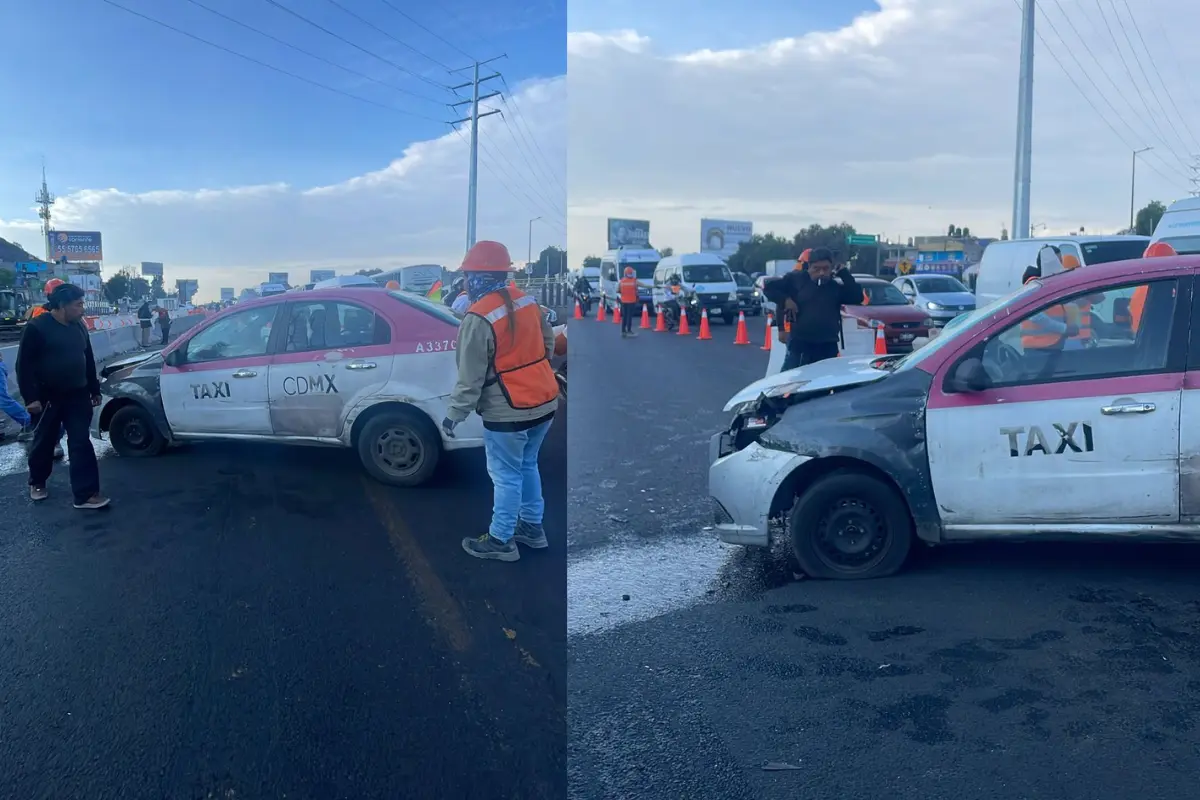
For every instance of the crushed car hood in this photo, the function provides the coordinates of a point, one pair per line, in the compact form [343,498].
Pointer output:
[128,361]
[833,373]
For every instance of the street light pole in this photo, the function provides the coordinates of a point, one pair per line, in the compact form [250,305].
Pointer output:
[1133,183]
[529,255]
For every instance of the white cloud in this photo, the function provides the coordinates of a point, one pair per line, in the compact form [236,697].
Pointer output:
[902,122]
[412,210]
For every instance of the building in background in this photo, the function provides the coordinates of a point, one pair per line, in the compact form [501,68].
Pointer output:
[721,237]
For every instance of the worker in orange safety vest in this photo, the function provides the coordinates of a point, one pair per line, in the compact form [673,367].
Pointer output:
[504,375]
[51,285]
[627,291]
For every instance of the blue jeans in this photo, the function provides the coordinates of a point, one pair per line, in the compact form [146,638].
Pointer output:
[512,463]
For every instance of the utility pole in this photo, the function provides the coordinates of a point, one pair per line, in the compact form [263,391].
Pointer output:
[529,258]
[1023,166]
[473,178]
[44,201]
[1133,183]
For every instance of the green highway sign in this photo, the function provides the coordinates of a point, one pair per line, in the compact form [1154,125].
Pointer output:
[862,238]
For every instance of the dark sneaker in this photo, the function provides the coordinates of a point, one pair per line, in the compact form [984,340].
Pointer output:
[489,547]
[94,502]
[38,493]
[58,452]
[530,535]
[26,434]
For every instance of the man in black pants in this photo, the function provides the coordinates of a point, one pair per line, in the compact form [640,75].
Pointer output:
[56,373]
[814,299]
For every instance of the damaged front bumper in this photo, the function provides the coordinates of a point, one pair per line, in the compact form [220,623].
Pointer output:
[743,484]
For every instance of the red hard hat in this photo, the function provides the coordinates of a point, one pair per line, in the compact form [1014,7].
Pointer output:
[629,272]
[393,285]
[487,256]
[52,284]
[1159,249]
[802,261]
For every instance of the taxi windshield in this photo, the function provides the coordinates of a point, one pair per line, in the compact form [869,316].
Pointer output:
[961,326]
[425,304]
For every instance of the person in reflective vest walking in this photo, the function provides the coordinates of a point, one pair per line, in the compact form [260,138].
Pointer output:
[628,291]
[504,375]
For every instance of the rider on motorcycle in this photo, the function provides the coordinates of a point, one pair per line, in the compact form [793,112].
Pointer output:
[677,301]
[583,293]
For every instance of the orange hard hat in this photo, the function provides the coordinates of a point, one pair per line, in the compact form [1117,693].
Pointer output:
[1070,262]
[487,256]
[802,261]
[52,284]
[629,272]
[1159,249]
[392,285]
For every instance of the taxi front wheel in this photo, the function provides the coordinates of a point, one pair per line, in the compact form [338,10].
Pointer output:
[850,525]
[133,434]
[400,447]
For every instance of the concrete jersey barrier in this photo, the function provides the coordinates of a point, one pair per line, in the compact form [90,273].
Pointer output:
[107,342]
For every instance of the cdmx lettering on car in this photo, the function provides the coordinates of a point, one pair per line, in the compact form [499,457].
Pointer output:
[210,391]
[315,384]
[1036,442]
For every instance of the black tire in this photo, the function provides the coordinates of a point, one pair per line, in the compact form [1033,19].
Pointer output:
[133,434]
[850,501]
[400,447]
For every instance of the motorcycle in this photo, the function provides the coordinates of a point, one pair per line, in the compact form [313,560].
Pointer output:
[671,311]
[585,301]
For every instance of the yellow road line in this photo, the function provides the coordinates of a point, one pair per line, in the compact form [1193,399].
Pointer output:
[443,612]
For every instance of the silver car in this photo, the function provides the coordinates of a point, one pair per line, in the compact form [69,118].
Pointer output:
[942,297]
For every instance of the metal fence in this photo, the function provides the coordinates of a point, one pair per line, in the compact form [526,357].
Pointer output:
[552,293]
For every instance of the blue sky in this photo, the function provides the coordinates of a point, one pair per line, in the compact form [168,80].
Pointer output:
[123,103]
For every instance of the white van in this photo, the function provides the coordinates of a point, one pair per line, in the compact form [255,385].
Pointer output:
[1180,226]
[1005,261]
[705,277]
[612,269]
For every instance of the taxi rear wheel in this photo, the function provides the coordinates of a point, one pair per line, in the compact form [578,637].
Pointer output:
[133,434]
[400,448]
[850,525]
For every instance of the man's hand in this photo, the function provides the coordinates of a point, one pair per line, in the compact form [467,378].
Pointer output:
[448,426]
[35,407]
[790,305]
[95,401]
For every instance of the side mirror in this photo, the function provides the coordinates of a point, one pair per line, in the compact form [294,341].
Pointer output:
[174,358]
[968,376]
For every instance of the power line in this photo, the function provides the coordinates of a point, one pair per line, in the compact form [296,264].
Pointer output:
[532,173]
[1084,94]
[1138,59]
[518,116]
[400,42]
[451,45]
[320,58]
[530,203]
[1161,82]
[1125,63]
[1071,52]
[271,67]
[358,47]
[1184,78]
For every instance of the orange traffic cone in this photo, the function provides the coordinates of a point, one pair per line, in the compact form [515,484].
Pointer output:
[600,312]
[769,337]
[645,316]
[661,325]
[578,310]
[742,336]
[880,342]
[616,315]
[683,326]
[705,333]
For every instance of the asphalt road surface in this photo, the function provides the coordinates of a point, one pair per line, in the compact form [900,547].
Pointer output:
[252,621]
[697,670]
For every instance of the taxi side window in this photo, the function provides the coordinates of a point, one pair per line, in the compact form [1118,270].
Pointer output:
[333,325]
[360,327]
[1124,330]
[241,335]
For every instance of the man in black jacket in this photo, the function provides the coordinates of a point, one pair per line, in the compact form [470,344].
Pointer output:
[811,298]
[56,373]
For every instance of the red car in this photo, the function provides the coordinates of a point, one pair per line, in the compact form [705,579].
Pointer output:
[902,321]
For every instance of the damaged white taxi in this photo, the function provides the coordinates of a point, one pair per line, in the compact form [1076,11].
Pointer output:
[359,367]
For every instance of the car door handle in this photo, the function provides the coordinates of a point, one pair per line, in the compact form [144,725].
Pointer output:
[245,373]
[1128,408]
[361,365]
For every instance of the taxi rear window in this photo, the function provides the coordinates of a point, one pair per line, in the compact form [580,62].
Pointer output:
[427,306]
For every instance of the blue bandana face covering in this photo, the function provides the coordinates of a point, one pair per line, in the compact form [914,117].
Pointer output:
[482,283]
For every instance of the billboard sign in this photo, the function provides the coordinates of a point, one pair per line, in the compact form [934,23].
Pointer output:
[185,288]
[227,293]
[152,269]
[721,237]
[318,275]
[277,277]
[628,233]
[75,246]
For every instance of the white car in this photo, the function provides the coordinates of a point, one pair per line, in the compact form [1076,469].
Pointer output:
[360,367]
